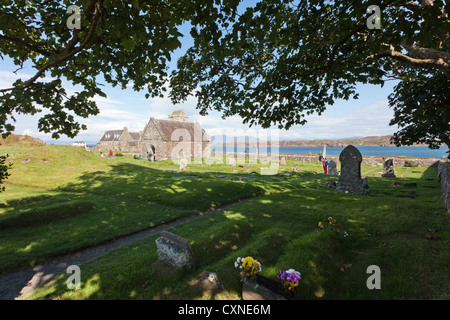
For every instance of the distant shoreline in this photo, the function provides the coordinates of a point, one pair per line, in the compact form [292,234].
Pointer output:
[366,151]
[268,144]
[370,141]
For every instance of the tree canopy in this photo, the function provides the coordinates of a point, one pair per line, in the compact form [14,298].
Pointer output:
[422,110]
[118,42]
[272,63]
[281,60]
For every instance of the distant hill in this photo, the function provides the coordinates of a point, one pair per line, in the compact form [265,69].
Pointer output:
[21,140]
[356,141]
[366,141]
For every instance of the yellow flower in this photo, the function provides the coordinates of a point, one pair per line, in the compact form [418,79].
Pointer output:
[292,285]
[251,265]
[247,262]
[320,224]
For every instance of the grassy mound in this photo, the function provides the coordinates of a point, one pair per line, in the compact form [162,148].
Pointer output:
[66,198]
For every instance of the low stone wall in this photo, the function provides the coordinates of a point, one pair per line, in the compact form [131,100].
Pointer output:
[370,160]
[444,177]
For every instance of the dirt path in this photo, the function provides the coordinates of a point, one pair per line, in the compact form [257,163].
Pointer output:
[19,283]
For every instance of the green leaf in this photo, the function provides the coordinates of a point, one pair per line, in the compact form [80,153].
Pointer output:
[128,44]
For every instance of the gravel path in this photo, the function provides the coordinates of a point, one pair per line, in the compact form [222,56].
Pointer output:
[20,282]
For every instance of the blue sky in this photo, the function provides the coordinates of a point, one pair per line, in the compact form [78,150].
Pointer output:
[367,116]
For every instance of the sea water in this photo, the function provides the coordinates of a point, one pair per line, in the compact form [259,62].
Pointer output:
[420,152]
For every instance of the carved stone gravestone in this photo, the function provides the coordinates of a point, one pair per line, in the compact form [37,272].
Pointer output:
[350,180]
[282,161]
[183,164]
[332,169]
[388,169]
[175,251]
[232,162]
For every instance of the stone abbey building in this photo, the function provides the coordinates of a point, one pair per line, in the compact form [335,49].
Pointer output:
[172,138]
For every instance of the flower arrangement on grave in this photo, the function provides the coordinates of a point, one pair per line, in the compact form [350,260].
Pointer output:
[290,279]
[332,225]
[249,267]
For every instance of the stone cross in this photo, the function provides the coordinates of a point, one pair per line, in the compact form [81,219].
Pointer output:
[388,169]
[350,179]
[175,250]
[332,170]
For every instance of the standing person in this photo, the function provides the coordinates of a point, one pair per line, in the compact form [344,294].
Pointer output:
[110,154]
[325,165]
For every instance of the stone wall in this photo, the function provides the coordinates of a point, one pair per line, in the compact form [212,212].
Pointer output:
[370,160]
[127,143]
[444,177]
[108,145]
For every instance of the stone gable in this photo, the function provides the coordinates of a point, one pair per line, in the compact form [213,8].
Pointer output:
[172,138]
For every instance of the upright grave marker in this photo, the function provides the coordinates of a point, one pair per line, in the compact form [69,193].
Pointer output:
[174,250]
[332,169]
[350,180]
[183,164]
[388,169]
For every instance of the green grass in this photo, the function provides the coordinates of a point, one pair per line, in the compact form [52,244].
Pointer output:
[401,229]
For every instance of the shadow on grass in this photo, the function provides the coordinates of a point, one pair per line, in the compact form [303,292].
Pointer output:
[36,217]
[424,185]
[186,190]
[280,229]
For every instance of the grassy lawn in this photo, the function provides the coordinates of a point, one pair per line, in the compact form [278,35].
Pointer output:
[66,198]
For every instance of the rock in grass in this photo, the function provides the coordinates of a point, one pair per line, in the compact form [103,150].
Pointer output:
[175,251]
[209,283]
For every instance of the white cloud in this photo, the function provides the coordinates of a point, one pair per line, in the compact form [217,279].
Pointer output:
[372,119]
[126,108]
[7,78]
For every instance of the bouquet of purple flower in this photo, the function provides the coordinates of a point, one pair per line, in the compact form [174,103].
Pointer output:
[290,278]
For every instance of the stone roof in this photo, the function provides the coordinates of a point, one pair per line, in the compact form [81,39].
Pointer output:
[179,115]
[111,135]
[135,135]
[167,127]
[178,112]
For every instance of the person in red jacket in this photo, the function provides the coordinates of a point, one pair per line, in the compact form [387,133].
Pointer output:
[325,165]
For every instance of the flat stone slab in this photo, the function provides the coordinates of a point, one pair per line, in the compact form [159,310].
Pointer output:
[254,291]
[186,177]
